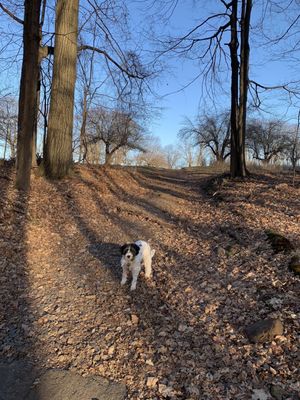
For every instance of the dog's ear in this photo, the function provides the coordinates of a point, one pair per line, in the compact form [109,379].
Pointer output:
[122,248]
[136,248]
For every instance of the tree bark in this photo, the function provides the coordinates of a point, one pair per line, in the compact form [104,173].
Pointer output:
[108,155]
[28,93]
[58,152]
[235,165]
[244,79]
[239,87]
[83,144]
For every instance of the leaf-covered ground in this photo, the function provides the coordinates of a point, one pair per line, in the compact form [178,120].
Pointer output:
[180,336]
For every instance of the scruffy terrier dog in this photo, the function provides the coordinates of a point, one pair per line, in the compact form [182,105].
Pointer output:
[133,256]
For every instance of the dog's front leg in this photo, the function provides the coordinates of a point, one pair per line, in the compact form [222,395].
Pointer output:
[124,273]
[135,273]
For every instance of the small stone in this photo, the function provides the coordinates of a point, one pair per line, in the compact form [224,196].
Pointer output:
[111,350]
[277,392]
[149,362]
[264,330]
[151,382]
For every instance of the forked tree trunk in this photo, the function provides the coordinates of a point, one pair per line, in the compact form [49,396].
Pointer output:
[58,152]
[28,93]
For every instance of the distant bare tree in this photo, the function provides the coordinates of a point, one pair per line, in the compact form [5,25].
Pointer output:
[153,156]
[173,155]
[211,132]
[292,149]
[9,125]
[191,154]
[115,129]
[266,139]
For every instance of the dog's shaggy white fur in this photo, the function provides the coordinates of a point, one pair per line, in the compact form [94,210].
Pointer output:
[133,256]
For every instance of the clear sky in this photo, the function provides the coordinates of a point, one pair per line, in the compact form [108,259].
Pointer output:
[152,20]
[266,66]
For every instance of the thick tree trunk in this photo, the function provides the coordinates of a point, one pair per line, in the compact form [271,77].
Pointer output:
[58,154]
[28,92]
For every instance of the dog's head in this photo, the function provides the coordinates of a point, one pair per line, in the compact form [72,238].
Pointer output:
[129,251]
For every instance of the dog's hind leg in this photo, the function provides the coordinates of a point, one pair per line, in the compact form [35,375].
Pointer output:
[148,267]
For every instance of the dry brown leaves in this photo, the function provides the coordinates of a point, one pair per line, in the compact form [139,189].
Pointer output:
[179,336]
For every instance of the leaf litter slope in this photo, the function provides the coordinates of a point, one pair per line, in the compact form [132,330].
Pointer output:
[179,336]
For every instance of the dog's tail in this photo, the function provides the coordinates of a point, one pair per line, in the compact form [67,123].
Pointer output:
[152,253]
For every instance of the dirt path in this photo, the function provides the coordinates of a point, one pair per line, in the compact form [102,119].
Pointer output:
[214,273]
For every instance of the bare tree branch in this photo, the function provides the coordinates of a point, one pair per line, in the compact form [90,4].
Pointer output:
[14,17]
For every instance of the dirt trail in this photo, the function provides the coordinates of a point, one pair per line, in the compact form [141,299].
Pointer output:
[214,273]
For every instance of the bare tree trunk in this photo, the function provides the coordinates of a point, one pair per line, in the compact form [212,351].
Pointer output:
[83,145]
[108,155]
[34,141]
[244,74]
[58,154]
[28,93]
[5,144]
[239,87]
[235,139]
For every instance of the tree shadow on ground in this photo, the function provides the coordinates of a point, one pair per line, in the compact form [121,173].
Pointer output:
[156,316]
[152,302]
[17,340]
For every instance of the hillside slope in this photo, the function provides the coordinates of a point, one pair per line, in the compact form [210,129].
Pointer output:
[214,273]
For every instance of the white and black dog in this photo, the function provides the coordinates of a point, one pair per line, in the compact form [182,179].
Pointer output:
[133,256]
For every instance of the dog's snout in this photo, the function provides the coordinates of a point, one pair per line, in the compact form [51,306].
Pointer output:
[128,255]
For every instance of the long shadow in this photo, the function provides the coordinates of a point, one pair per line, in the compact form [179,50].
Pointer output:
[156,315]
[240,233]
[17,341]
[157,188]
[262,197]
[145,206]
[154,304]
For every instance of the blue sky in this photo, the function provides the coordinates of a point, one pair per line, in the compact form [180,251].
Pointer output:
[265,65]
[178,72]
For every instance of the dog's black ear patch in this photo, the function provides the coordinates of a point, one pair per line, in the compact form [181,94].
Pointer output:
[122,248]
[136,248]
